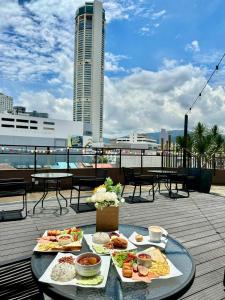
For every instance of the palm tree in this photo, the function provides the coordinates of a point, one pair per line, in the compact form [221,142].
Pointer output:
[203,143]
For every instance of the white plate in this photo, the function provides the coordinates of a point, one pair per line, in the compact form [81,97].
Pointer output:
[146,241]
[88,238]
[104,270]
[174,272]
[53,251]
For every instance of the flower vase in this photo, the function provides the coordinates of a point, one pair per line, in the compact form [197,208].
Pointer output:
[107,219]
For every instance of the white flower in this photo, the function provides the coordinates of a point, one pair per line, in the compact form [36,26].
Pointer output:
[101,190]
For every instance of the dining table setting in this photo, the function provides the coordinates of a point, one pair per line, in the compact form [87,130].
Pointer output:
[131,262]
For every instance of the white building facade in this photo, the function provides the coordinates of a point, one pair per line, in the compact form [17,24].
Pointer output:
[6,103]
[89,69]
[135,140]
[35,131]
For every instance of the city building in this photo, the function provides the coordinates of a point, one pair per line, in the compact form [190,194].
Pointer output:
[21,110]
[89,68]
[135,141]
[37,131]
[164,136]
[6,103]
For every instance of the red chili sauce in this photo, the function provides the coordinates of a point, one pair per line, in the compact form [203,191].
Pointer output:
[88,260]
[144,256]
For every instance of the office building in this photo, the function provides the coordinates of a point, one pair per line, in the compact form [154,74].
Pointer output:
[89,69]
[6,103]
[21,129]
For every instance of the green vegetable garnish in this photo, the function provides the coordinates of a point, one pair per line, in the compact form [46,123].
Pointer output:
[100,249]
[90,281]
[121,256]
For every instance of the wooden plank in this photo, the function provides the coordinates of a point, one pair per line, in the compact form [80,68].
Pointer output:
[215,292]
[203,282]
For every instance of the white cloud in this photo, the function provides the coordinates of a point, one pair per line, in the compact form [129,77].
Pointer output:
[59,108]
[158,15]
[147,101]
[145,29]
[193,46]
[112,62]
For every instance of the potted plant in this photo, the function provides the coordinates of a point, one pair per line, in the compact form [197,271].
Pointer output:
[107,200]
[203,144]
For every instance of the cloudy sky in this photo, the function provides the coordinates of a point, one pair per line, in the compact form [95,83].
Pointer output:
[159,54]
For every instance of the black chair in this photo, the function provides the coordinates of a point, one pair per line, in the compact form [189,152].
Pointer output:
[13,187]
[180,179]
[136,179]
[87,183]
[17,283]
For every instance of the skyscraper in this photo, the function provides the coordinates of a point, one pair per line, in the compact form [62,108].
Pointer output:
[89,68]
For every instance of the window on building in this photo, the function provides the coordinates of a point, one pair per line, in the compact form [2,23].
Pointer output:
[33,121]
[21,126]
[8,119]
[48,128]
[49,123]
[22,120]
[8,125]
[33,127]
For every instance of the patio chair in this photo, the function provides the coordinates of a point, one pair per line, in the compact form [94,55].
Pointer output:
[13,187]
[137,179]
[16,281]
[87,183]
[178,179]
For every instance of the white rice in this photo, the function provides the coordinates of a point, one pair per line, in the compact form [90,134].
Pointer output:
[100,238]
[63,272]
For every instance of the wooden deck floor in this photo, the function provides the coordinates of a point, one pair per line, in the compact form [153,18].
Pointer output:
[198,222]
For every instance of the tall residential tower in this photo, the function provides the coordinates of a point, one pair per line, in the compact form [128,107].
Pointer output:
[89,68]
[6,103]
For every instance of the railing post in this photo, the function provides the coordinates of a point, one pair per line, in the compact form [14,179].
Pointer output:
[169,148]
[96,158]
[120,159]
[142,160]
[185,141]
[162,158]
[35,159]
[68,158]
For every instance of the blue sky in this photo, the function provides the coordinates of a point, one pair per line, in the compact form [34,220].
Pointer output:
[158,55]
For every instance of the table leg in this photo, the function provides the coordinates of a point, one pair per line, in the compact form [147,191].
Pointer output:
[59,201]
[41,199]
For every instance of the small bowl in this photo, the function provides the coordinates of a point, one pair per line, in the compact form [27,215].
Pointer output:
[88,270]
[64,239]
[144,259]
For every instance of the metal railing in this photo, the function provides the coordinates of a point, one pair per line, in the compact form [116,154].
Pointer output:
[52,157]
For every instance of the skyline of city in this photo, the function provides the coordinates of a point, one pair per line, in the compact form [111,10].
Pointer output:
[158,56]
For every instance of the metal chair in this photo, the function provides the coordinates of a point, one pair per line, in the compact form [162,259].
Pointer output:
[13,187]
[87,183]
[178,179]
[136,179]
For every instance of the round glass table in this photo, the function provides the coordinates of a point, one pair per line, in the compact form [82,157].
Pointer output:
[48,178]
[158,289]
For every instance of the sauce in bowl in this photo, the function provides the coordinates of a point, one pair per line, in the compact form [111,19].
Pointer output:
[88,261]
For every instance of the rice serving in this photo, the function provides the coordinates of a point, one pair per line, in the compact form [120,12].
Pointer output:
[63,272]
[100,238]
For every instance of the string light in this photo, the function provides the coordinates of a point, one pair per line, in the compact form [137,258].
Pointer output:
[210,77]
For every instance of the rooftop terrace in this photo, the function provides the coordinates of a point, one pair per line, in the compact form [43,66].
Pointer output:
[198,222]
